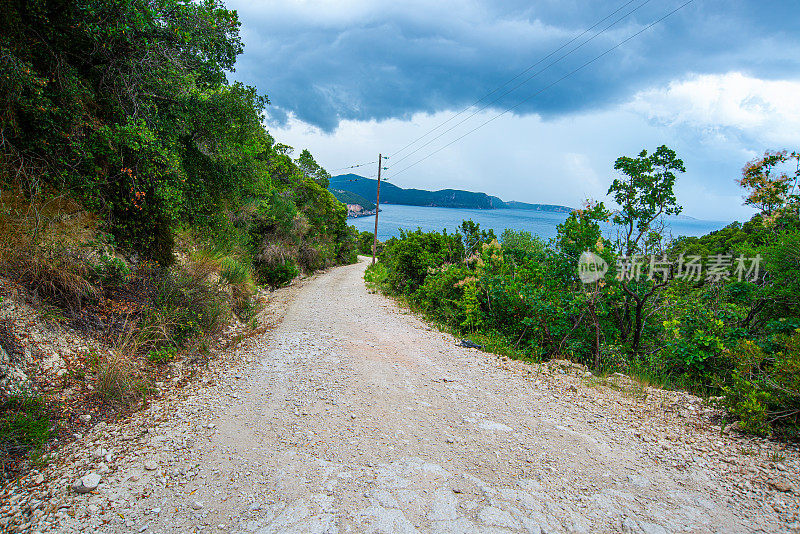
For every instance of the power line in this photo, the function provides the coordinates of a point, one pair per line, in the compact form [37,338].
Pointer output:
[526,80]
[370,177]
[587,30]
[354,166]
[548,86]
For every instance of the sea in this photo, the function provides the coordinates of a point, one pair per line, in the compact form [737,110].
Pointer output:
[394,218]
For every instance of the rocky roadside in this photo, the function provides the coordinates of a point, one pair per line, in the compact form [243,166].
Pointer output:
[38,352]
[683,431]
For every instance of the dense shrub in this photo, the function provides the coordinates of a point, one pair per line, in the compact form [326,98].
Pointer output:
[365,242]
[278,274]
[764,389]
[410,257]
[25,427]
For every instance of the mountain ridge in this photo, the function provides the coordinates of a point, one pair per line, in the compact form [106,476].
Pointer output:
[443,198]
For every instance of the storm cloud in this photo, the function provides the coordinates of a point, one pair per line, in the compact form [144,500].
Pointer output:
[324,62]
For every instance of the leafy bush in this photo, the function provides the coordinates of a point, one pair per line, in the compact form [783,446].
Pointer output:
[410,257]
[365,242]
[442,296]
[279,274]
[111,270]
[763,392]
[375,276]
[694,345]
[162,355]
[25,427]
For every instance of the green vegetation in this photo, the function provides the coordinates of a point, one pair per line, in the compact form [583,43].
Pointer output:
[25,427]
[141,197]
[348,197]
[365,242]
[122,139]
[123,109]
[734,335]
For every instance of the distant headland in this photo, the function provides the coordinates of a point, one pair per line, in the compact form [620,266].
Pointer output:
[353,189]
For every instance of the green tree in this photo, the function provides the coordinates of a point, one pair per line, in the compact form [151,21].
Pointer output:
[310,168]
[580,233]
[769,189]
[645,194]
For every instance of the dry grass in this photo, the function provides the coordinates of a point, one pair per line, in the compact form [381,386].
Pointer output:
[273,254]
[625,385]
[117,378]
[308,256]
[41,245]
[233,273]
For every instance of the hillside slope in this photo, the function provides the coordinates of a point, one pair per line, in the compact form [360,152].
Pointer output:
[391,194]
[444,198]
[348,197]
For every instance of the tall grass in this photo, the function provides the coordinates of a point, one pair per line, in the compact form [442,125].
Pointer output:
[42,246]
[118,381]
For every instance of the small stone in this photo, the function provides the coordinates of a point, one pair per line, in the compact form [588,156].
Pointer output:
[38,479]
[197,505]
[638,480]
[150,465]
[782,485]
[85,417]
[87,483]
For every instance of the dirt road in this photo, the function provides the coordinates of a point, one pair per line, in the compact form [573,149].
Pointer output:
[354,416]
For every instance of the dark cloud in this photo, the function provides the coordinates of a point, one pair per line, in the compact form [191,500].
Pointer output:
[382,60]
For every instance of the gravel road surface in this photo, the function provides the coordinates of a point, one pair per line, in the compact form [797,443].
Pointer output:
[352,415]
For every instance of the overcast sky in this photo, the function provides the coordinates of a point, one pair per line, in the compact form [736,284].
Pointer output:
[718,81]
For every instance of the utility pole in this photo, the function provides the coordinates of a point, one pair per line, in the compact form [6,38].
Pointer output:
[377,209]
